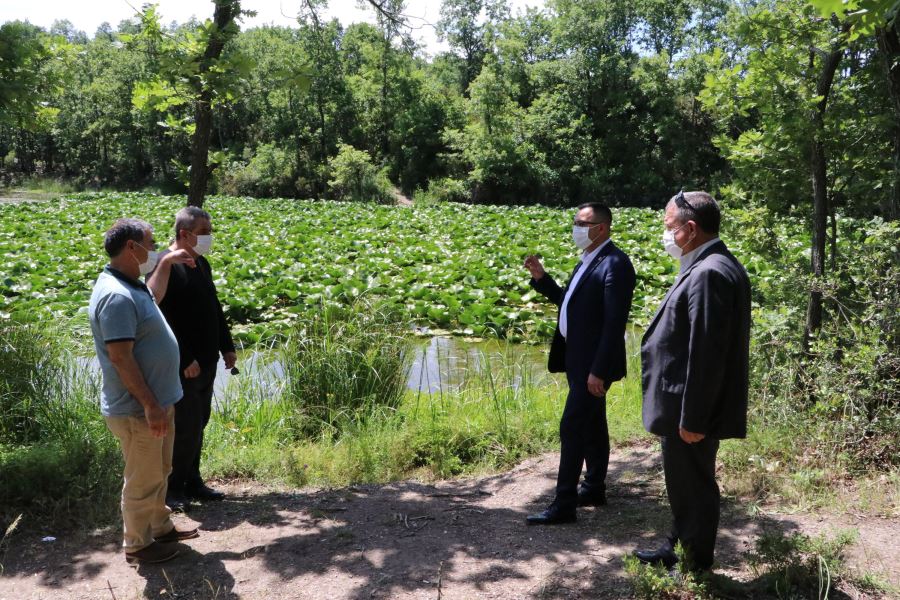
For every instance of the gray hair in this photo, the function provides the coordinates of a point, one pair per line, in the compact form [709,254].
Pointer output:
[122,231]
[187,218]
[699,207]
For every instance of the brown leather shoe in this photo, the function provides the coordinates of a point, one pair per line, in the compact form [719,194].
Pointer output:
[154,553]
[177,535]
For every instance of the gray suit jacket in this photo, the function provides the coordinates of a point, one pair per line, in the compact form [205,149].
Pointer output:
[695,354]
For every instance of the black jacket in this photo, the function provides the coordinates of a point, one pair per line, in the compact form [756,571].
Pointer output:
[192,308]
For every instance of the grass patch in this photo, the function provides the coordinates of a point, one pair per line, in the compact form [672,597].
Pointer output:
[342,365]
[783,565]
[800,566]
[655,582]
[499,413]
[772,466]
[51,432]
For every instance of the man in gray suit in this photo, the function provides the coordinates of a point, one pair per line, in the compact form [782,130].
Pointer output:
[695,359]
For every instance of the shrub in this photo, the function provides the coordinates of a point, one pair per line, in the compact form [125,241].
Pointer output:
[445,189]
[354,177]
[269,172]
[80,481]
[844,392]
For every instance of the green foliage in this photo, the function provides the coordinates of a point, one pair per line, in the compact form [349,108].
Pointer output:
[865,15]
[445,189]
[797,565]
[80,481]
[654,582]
[24,52]
[847,383]
[354,177]
[583,101]
[762,94]
[268,173]
[342,364]
[51,432]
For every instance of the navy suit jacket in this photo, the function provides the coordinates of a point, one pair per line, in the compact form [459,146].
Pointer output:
[596,316]
[695,354]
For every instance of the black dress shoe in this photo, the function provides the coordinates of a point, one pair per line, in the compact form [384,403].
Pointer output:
[662,556]
[204,493]
[178,503]
[554,515]
[591,499]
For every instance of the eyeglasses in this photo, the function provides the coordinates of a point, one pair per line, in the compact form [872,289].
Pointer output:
[578,223]
[153,247]
[681,201]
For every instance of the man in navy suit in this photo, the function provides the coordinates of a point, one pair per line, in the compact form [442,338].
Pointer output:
[589,346]
[695,361]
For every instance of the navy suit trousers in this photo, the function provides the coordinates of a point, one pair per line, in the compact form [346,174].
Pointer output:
[584,439]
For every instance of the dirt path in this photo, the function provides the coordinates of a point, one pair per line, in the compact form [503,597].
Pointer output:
[404,540]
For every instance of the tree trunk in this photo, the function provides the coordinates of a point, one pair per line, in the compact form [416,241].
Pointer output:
[832,217]
[225,13]
[818,169]
[385,119]
[889,46]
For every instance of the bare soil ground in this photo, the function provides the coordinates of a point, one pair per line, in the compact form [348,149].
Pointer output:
[452,540]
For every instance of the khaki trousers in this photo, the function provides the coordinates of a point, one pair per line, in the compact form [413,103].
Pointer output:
[148,462]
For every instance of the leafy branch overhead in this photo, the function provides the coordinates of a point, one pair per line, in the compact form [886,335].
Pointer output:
[864,16]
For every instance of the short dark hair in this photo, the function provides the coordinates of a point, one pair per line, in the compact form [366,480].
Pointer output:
[187,217]
[699,207]
[600,210]
[122,231]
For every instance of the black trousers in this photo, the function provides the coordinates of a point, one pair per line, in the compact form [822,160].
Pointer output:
[690,472]
[584,439]
[191,416]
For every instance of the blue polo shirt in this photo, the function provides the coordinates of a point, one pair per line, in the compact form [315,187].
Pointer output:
[123,309]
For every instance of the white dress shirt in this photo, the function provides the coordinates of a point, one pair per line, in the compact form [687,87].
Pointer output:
[691,257]
[586,259]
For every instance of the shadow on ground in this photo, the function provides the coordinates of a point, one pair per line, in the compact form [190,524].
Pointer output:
[399,540]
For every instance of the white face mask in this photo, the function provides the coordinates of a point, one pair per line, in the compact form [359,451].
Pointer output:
[150,264]
[668,241]
[581,236]
[203,245]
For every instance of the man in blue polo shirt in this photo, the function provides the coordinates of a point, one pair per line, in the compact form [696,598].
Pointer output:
[138,357]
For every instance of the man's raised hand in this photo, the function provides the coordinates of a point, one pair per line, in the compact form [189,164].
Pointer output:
[534,266]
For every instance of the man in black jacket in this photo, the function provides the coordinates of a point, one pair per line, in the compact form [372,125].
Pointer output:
[589,346]
[695,359]
[188,298]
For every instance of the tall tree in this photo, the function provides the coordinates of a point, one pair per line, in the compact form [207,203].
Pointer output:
[191,73]
[878,18]
[829,61]
[206,81]
[25,81]
[467,26]
[791,121]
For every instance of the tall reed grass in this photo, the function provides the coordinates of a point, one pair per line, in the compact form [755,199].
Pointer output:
[343,364]
[58,460]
